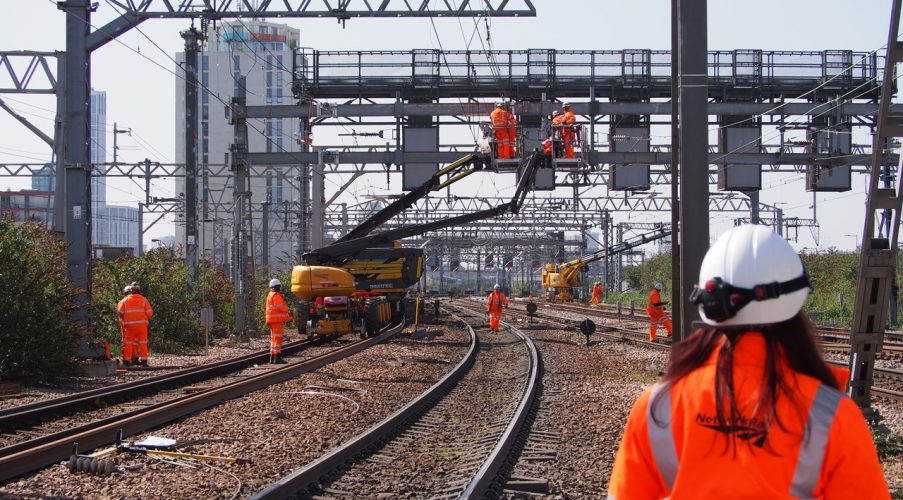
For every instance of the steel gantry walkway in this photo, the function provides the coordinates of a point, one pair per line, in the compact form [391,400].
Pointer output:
[743,75]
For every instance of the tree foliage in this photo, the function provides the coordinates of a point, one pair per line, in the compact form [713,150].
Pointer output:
[833,274]
[162,275]
[37,338]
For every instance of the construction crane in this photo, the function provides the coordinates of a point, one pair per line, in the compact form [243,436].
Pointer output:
[360,281]
[559,280]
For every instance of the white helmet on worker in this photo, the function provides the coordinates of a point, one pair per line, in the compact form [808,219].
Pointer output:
[565,105]
[750,276]
[496,287]
[499,104]
[556,113]
[658,286]
[274,282]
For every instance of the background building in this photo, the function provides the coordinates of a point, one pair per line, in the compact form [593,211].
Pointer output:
[111,225]
[262,53]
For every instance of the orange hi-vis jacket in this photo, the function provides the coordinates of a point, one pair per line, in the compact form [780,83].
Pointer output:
[655,297]
[568,118]
[676,448]
[276,309]
[134,312]
[495,302]
[500,118]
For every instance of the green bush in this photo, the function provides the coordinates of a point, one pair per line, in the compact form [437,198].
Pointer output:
[37,338]
[162,276]
[888,444]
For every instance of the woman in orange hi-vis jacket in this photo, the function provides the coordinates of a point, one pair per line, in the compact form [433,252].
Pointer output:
[747,408]
[134,312]
[656,311]
[499,118]
[277,314]
[568,134]
[494,305]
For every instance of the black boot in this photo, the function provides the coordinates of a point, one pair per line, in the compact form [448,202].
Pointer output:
[279,360]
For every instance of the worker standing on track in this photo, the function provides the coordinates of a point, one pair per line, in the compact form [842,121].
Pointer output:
[277,314]
[596,297]
[134,312]
[499,117]
[657,314]
[748,406]
[494,305]
[568,134]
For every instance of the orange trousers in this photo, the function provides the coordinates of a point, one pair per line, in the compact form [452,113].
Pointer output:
[656,318]
[503,143]
[567,137]
[277,330]
[494,318]
[134,343]
[595,299]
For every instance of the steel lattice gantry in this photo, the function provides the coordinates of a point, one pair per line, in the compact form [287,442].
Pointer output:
[75,83]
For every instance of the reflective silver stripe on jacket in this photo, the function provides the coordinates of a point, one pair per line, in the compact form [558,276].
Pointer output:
[815,440]
[812,450]
[660,437]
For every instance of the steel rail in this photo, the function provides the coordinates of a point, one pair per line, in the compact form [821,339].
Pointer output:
[28,456]
[487,475]
[16,417]
[298,480]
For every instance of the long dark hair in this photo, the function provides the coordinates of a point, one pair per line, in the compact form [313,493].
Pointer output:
[792,339]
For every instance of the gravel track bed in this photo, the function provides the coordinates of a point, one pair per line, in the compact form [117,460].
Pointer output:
[587,394]
[278,429]
[66,422]
[448,444]
[222,350]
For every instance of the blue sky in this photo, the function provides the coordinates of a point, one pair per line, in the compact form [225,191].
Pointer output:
[141,94]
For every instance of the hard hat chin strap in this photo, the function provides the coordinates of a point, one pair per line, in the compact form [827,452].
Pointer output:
[721,301]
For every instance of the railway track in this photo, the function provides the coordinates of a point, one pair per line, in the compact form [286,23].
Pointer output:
[481,442]
[37,452]
[28,415]
[889,383]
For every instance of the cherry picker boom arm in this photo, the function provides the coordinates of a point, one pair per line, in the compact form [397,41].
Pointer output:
[432,184]
[571,269]
[346,248]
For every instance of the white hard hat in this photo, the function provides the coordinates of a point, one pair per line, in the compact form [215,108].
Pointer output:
[750,276]
[496,287]
[499,104]
[565,105]
[275,282]
[127,289]
[659,286]
[556,113]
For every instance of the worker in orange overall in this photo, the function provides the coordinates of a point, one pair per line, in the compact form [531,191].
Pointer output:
[494,305]
[568,134]
[134,312]
[499,118]
[656,311]
[512,131]
[748,408]
[596,297]
[277,314]
[557,121]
